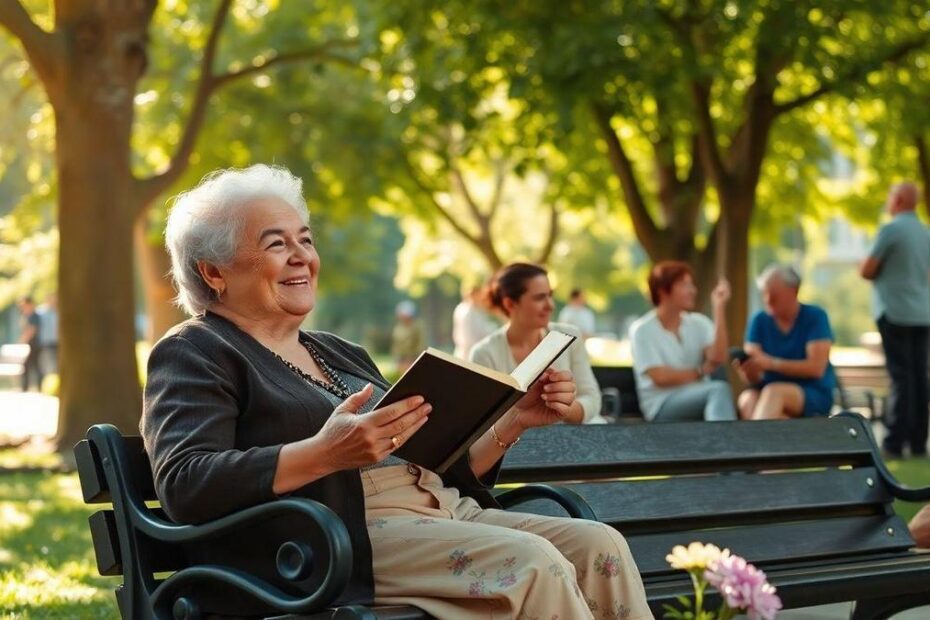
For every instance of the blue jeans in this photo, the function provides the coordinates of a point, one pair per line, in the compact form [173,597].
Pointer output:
[702,400]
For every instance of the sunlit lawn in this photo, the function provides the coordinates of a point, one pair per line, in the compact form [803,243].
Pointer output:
[47,567]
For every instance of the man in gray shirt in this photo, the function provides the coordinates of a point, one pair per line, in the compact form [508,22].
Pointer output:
[899,266]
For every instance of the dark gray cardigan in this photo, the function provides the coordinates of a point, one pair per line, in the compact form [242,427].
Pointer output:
[218,407]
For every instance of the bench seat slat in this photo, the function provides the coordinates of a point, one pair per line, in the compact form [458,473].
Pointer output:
[726,499]
[567,452]
[767,544]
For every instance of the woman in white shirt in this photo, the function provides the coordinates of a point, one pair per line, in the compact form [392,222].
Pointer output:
[522,292]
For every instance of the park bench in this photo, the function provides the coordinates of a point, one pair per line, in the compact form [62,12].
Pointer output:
[135,539]
[809,501]
[859,388]
[12,361]
[618,389]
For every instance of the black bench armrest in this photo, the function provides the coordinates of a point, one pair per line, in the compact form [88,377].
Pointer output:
[330,548]
[574,504]
[894,487]
[321,560]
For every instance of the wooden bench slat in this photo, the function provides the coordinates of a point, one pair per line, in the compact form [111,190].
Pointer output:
[93,480]
[767,544]
[635,505]
[566,452]
[162,557]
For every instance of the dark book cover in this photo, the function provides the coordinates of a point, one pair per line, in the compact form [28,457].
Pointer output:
[466,398]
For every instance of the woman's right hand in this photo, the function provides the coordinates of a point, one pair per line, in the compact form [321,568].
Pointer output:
[351,440]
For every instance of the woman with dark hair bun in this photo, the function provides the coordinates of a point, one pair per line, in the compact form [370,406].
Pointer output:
[521,292]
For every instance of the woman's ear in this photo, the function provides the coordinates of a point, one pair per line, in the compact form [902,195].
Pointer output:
[507,304]
[212,275]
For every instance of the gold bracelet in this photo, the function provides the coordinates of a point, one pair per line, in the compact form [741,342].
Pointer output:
[497,440]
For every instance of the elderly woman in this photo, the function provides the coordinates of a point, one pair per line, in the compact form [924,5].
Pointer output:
[788,343]
[521,291]
[242,407]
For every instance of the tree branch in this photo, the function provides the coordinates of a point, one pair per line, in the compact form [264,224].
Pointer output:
[320,52]
[707,134]
[473,208]
[154,185]
[646,230]
[209,83]
[428,191]
[500,176]
[42,48]
[552,235]
[855,73]
[923,164]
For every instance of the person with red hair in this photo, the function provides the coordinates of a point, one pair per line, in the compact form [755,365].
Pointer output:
[675,349]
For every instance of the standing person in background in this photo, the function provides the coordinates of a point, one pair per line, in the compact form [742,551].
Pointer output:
[48,332]
[30,331]
[899,266]
[577,312]
[522,292]
[407,337]
[788,367]
[675,349]
[470,321]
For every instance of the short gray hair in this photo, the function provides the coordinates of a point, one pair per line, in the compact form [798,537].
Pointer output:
[787,274]
[205,224]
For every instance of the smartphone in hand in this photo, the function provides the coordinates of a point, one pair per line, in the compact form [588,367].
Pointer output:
[738,354]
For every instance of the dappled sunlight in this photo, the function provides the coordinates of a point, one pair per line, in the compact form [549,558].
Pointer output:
[41,585]
[13,517]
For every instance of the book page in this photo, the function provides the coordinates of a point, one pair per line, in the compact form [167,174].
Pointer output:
[540,358]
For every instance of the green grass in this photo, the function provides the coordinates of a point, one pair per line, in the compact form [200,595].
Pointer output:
[47,566]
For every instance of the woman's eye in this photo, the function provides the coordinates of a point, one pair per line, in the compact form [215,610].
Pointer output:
[307,241]
[276,244]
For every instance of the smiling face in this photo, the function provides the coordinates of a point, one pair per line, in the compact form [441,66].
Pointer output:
[274,272]
[535,306]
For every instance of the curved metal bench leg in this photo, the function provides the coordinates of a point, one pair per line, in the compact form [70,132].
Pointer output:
[882,608]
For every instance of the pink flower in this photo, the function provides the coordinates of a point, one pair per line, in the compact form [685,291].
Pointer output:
[743,586]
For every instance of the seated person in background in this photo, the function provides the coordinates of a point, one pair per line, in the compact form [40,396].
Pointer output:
[674,349]
[522,292]
[788,343]
[471,321]
[243,407]
[577,312]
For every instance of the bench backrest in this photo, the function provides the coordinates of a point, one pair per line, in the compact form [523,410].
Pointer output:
[623,380]
[770,491]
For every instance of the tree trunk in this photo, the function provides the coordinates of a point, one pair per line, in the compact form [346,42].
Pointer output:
[99,378]
[92,95]
[154,264]
[733,260]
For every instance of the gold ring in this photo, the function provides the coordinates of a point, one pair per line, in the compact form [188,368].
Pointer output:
[396,442]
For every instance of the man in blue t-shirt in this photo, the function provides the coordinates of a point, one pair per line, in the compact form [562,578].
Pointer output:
[788,368]
[899,266]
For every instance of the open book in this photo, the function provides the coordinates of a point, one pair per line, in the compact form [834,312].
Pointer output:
[467,399]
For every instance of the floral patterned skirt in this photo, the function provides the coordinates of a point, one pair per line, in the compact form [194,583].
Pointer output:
[445,554]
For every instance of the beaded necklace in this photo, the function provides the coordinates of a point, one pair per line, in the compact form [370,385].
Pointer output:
[335,384]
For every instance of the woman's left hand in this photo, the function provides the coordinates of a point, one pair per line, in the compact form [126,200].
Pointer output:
[550,400]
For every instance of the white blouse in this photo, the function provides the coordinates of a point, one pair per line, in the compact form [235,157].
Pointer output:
[494,352]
